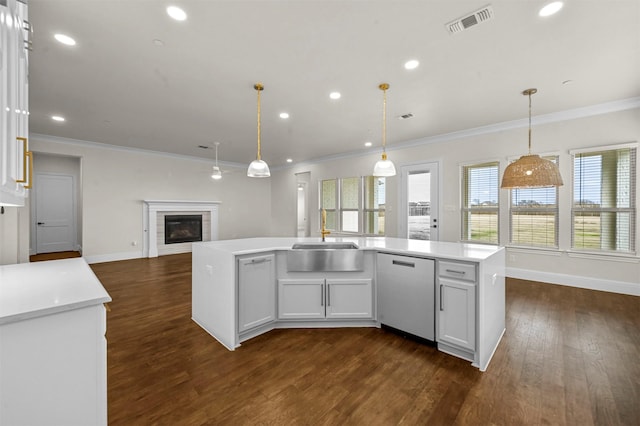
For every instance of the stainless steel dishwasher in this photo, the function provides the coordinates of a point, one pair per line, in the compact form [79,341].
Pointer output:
[406,294]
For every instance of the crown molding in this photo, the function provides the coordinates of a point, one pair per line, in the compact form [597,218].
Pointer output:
[79,142]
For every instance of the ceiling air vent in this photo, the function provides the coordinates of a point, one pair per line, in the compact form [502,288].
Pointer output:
[470,20]
[405,116]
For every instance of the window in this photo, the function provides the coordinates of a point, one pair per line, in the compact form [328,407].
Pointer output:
[374,205]
[350,204]
[533,214]
[480,205]
[604,209]
[343,200]
[328,201]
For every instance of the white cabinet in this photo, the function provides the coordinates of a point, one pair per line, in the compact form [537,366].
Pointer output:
[349,298]
[317,298]
[456,312]
[301,298]
[256,291]
[15,158]
[54,369]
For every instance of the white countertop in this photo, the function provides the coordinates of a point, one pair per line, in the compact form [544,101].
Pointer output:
[30,290]
[440,249]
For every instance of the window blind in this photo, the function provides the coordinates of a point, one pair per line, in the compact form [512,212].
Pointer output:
[533,215]
[480,202]
[374,205]
[349,204]
[604,205]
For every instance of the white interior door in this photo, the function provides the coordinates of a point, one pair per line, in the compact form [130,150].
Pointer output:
[419,205]
[55,219]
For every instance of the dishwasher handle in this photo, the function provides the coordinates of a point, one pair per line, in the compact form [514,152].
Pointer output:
[407,264]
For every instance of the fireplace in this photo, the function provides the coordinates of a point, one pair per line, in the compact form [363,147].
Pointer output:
[182,228]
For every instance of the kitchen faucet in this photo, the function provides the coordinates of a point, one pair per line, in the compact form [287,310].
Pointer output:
[323,231]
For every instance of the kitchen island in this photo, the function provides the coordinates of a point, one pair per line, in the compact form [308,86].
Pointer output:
[243,288]
[53,351]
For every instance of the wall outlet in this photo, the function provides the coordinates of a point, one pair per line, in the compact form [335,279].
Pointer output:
[512,258]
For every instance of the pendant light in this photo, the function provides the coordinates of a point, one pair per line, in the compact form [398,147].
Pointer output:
[384,167]
[217,173]
[531,171]
[258,168]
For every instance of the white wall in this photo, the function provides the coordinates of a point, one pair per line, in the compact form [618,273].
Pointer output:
[115,181]
[559,137]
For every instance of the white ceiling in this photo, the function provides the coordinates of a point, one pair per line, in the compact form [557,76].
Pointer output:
[117,86]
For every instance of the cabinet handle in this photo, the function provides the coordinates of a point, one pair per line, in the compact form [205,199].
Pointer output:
[30,184]
[24,159]
[401,263]
[441,297]
[328,294]
[321,294]
[453,271]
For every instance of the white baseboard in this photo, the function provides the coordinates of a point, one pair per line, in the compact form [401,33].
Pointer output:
[622,287]
[112,257]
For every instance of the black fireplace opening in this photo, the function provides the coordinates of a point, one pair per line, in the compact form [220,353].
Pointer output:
[182,228]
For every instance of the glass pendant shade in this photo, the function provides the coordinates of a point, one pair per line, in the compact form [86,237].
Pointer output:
[384,167]
[531,171]
[216,174]
[258,169]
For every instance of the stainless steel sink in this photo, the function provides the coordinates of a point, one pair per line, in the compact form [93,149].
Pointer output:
[325,257]
[325,246]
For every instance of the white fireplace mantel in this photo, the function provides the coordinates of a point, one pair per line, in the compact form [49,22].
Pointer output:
[151,208]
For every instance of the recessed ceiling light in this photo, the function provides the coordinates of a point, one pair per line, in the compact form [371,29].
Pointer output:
[368,144]
[412,64]
[289,160]
[176,13]
[335,95]
[65,39]
[284,115]
[550,8]
[57,118]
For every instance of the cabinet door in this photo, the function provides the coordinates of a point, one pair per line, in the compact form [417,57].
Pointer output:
[54,369]
[457,313]
[301,299]
[349,298]
[256,291]
[13,104]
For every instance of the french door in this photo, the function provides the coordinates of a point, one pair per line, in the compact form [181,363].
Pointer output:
[418,213]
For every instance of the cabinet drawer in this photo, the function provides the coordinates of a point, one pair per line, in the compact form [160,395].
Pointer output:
[456,270]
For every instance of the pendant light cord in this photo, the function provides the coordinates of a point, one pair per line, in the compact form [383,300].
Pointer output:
[259,88]
[530,93]
[384,87]
[384,120]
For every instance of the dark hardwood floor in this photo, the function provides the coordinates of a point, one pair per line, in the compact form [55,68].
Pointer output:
[569,357]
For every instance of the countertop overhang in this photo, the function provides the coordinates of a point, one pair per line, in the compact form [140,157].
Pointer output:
[30,290]
[450,250]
